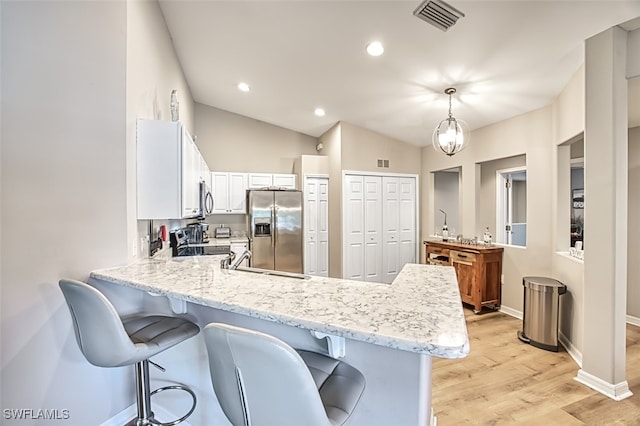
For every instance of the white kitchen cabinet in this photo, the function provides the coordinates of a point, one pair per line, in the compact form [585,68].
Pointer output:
[168,177]
[287,181]
[379,234]
[229,192]
[266,180]
[260,180]
[316,225]
[205,173]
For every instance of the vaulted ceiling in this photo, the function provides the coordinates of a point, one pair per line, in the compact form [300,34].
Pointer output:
[504,58]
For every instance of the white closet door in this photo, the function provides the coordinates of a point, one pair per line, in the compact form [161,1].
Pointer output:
[323,227]
[310,227]
[391,228]
[407,220]
[354,228]
[316,255]
[379,226]
[373,228]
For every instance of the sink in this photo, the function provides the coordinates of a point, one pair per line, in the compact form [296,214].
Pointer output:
[272,272]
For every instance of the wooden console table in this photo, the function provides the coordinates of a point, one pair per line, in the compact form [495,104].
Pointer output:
[478,268]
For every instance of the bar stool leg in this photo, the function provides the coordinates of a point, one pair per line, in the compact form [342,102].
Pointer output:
[143,390]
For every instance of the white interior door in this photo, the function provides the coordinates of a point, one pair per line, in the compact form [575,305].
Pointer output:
[323,227]
[379,226]
[407,220]
[399,225]
[354,228]
[316,218]
[391,228]
[373,228]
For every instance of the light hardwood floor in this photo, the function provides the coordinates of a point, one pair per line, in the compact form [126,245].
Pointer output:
[504,381]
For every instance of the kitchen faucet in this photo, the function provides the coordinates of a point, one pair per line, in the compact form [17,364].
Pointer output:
[245,255]
[226,262]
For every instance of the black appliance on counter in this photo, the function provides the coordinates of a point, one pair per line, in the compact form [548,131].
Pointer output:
[192,241]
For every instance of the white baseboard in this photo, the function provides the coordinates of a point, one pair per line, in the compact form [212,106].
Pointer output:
[571,350]
[617,392]
[129,413]
[510,311]
[562,339]
[633,320]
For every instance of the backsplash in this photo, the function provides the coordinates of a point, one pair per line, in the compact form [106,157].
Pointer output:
[236,222]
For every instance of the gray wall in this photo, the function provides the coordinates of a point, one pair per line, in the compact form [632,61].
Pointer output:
[233,143]
[447,198]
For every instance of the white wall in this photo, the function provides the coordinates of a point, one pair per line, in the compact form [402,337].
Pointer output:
[633,271]
[153,71]
[75,76]
[63,197]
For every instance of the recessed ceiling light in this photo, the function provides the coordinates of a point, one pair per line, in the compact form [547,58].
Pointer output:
[319,112]
[244,87]
[375,48]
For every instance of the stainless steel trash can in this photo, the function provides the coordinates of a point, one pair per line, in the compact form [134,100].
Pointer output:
[541,308]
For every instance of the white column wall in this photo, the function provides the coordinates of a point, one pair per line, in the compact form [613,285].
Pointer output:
[605,265]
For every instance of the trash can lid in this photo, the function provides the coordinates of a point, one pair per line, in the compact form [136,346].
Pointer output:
[544,284]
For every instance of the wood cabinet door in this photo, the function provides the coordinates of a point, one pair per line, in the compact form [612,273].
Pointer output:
[466,279]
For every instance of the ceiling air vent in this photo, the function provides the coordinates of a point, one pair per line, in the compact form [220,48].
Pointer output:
[438,13]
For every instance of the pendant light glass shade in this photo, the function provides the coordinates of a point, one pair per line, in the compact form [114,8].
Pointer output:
[451,135]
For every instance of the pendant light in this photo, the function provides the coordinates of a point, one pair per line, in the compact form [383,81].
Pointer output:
[451,135]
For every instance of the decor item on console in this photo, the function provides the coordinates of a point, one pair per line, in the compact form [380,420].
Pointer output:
[451,135]
[445,228]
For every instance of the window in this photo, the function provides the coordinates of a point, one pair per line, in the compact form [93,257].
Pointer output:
[511,209]
[577,202]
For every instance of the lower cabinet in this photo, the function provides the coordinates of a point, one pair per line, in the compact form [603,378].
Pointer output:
[478,269]
[238,248]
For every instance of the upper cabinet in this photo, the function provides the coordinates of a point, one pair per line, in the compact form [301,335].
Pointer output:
[169,167]
[229,192]
[266,180]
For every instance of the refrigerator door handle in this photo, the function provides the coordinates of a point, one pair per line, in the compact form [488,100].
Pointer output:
[274,220]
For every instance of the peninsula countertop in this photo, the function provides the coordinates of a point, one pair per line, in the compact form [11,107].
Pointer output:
[419,312]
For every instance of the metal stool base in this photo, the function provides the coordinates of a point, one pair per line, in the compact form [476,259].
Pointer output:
[145,416]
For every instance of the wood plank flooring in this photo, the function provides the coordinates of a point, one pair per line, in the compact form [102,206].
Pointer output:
[504,381]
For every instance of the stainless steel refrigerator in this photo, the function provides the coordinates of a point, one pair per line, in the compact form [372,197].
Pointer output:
[275,229]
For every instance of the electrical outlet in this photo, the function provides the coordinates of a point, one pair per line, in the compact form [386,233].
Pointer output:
[134,248]
[502,279]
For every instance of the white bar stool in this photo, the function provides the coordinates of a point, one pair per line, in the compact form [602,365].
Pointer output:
[107,340]
[260,380]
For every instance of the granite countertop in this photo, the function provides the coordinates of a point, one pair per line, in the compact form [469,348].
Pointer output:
[419,312]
